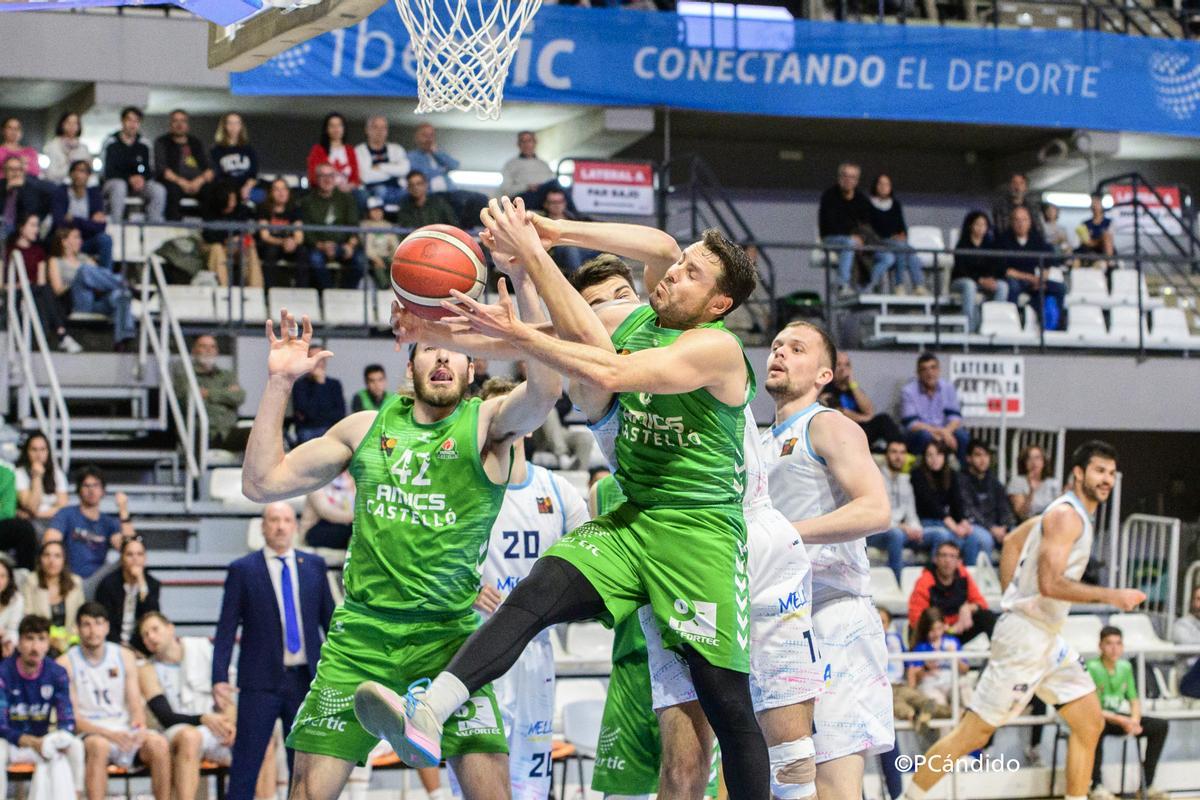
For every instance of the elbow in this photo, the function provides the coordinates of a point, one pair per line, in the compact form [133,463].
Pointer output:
[254,490]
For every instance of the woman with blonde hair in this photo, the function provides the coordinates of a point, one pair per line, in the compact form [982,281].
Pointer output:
[234,160]
[54,592]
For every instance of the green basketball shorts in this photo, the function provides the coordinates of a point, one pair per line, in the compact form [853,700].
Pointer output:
[629,750]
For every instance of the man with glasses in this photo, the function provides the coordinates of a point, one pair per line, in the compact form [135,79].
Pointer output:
[327,206]
[86,532]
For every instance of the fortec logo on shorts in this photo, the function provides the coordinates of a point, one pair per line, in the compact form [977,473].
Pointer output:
[448,449]
[788,446]
[475,718]
[695,621]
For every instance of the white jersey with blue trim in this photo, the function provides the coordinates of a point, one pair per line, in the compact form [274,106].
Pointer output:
[1023,596]
[802,487]
[100,687]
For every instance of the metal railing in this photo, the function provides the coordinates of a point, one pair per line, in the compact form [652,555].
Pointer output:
[1146,557]
[26,341]
[162,340]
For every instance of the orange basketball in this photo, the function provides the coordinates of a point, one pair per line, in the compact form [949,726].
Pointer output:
[430,262]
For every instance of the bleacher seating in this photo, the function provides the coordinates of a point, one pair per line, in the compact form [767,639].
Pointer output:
[346,308]
[1169,327]
[1123,322]
[908,579]
[589,640]
[192,303]
[1001,321]
[1125,290]
[297,301]
[1082,631]
[1088,287]
[886,591]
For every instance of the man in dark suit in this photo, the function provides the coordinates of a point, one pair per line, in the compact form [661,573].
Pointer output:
[281,599]
[80,206]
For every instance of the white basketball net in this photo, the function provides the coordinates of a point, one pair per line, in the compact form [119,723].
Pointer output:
[463,49]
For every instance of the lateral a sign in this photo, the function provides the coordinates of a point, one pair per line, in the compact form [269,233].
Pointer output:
[613,187]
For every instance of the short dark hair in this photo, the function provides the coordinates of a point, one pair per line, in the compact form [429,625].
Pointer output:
[826,340]
[149,615]
[1110,630]
[33,623]
[897,440]
[175,111]
[80,162]
[371,369]
[951,544]
[599,269]
[978,444]
[1094,448]
[137,112]
[415,172]
[90,471]
[58,129]
[925,358]
[91,609]
[555,190]
[738,275]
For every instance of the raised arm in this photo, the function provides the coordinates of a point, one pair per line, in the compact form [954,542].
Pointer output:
[654,248]
[1060,528]
[267,473]
[841,443]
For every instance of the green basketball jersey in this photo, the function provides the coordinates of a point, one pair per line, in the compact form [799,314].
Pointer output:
[628,639]
[423,514]
[677,450]
[608,495]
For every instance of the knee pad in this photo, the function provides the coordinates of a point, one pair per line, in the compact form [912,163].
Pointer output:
[794,769]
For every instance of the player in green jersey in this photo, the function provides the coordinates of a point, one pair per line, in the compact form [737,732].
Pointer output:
[431,472]
[682,384]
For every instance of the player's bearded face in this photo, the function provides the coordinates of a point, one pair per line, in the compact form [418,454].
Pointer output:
[440,377]
[683,296]
[794,364]
[1098,478]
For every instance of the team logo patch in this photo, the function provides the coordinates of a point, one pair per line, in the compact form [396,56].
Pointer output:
[47,691]
[448,449]
[545,505]
[387,444]
[695,621]
[789,446]
[113,672]
[475,717]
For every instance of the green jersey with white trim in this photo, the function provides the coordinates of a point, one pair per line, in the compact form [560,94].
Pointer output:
[677,450]
[423,514]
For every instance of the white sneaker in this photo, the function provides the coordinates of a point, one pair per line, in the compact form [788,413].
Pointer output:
[69,345]
[1100,793]
[920,290]
[901,290]
[405,722]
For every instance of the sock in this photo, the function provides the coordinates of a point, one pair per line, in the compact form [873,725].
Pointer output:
[438,794]
[914,792]
[445,695]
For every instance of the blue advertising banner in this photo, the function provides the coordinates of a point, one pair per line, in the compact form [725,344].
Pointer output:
[1070,79]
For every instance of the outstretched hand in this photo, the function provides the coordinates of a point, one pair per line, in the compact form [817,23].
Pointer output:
[510,229]
[498,321]
[288,354]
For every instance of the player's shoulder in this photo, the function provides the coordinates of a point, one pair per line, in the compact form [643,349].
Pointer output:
[828,426]
[1063,518]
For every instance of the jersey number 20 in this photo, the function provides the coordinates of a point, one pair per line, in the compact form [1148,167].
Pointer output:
[531,539]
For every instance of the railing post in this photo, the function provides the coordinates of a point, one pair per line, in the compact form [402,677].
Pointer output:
[1041,301]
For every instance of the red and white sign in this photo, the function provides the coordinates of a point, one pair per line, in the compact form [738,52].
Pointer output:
[1153,206]
[986,385]
[613,187]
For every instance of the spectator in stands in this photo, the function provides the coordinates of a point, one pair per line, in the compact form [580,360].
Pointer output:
[327,206]
[66,148]
[1031,489]
[421,208]
[847,396]
[934,679]
[231,255]
[525,175]
[906,525]
[182,164]
[88,532]
[91,289]
[1015,195]
[974,269]
[328,513]
[79,206]
[128,593]
[177,684]
[1187,628]
[435,164]
[220,392]
[1122,711]
[984,500]
[20,197]
[556,207]
[374,391]
[333,150]
[12,609]
[381,246]
[317,402]
[481,377]
[946,585]
[23,243]
[278,655]
[35,688]
[887,220]
[1056,235]
[128,170]
[109,708]
[12,132]
[41,485]
[280,238]
[54,592]
[383,165]
[929,409]
[1026,273]
[234,159]
[842,219]
[1095,234]
[938,491]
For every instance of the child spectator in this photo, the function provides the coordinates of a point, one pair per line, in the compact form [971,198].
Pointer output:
[907,704]
[1031,490]
[380,246]
[1095,234]
[91,288]
[66,148]
[1056,234]
[51,591]
[934,679]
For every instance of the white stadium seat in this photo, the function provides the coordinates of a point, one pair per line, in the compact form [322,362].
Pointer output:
[1123,324]
[383,309]
[928,237]
[297,301]
[1001,320]
[192,303]
[908,579]
[581,725]
[1088,286]
[886,590]
[1085,323]
[1082,631]
[1138,632]
[1169,326]
[241,305]
[1125,290]
[345,307]
[589,640]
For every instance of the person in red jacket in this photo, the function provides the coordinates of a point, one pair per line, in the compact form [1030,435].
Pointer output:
[948,586]
[335,151]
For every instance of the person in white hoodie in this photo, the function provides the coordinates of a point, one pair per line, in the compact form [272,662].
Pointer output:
[382,165]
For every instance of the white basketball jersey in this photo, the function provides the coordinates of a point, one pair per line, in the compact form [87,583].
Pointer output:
[535,514]
[100,687]
[1022,596]
[755,493]
[605,431]
[802,487]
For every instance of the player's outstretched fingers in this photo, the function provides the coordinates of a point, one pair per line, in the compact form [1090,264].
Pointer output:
[487,219]
[306,326]
[271,340]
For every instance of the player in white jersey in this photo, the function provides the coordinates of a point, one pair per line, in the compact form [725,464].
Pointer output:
[539,508]
[109,711]
[823,479]
[1028,656]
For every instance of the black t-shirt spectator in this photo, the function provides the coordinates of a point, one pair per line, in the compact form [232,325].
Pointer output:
[186,159]
[935,502]
[890,221]
[1033,245]
[977,263]
[986,501]
[841,217]
[235,164]
[281,222]
[122,160]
